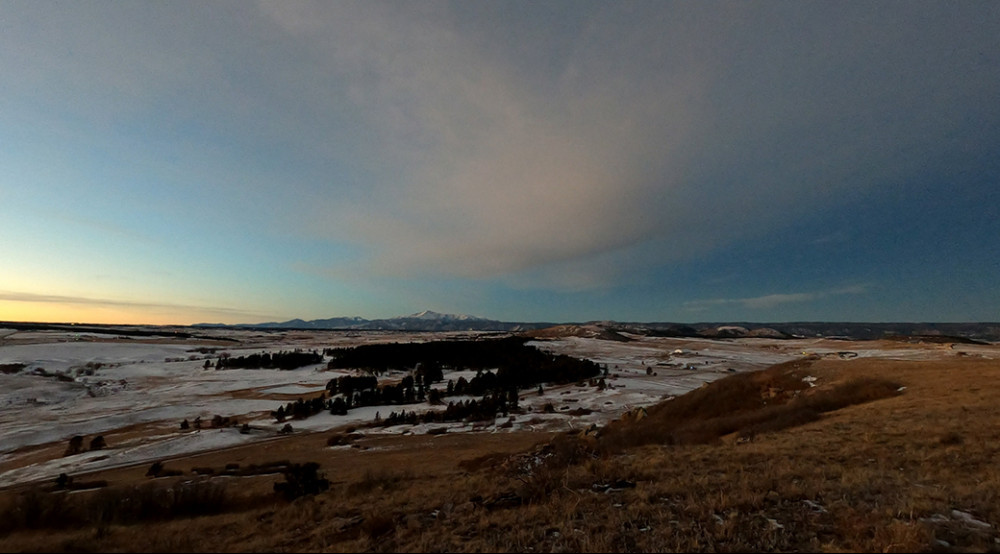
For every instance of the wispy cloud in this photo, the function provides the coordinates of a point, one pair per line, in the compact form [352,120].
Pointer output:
[840,236]
[773,300]
[13,296]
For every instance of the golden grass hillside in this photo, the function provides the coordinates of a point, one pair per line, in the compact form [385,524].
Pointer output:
[826,455]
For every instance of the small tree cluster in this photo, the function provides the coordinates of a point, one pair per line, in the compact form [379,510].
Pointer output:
[270,360]
[301,409]
[348,384]
[219,421]
[75,445]
[483,409]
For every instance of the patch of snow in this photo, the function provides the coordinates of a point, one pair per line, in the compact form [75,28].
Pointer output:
[135,384]
[967,518]
[428,315]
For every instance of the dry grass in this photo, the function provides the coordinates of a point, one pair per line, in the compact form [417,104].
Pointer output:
[746,404]
[869,470]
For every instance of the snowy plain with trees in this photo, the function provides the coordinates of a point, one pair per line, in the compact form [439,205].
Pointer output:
[147,398]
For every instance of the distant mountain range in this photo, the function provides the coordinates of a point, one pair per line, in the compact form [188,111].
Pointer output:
[420,321]
[610,330]
[434,321]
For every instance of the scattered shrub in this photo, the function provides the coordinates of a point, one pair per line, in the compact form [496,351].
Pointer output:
[300,480]
[377,525]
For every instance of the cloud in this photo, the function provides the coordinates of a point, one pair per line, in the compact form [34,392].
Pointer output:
[661,132]
[13,296]
[770,301]
[840,236]
[487,173]
[556,145]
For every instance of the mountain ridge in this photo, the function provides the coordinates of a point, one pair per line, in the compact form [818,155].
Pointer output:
[428,320]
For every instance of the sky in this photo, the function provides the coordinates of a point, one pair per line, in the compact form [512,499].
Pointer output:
[241,162]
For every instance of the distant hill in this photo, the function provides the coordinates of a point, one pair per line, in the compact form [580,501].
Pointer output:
[421,321]
[433,321]
[960,332]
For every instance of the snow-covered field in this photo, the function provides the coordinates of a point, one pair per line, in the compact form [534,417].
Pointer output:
[136,391]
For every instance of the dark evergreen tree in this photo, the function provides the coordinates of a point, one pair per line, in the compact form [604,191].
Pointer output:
[338,406]
[434,397]
[63,481]
[75,445]
[512,399]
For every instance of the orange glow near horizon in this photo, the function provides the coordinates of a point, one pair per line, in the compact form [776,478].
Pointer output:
[55,312]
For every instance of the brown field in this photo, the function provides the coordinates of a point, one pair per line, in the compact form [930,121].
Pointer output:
[880,456]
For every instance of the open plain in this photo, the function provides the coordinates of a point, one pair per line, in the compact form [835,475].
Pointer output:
[690,444]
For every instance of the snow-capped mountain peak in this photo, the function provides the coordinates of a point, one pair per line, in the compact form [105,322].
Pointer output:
[428,315]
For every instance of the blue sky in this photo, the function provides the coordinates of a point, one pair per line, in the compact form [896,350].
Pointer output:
[237,162]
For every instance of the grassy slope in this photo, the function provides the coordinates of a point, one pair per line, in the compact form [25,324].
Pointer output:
[883,475]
